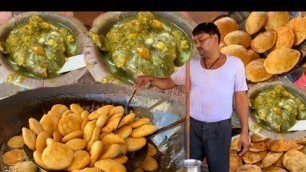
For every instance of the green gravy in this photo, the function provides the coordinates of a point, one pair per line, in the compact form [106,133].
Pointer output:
[38,49]
[143,45]
[277,109]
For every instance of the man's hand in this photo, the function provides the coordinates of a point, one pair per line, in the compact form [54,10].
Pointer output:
[142,80]
[161,83]
[243,144]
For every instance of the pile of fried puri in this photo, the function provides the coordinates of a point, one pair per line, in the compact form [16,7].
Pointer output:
[266,45]
[73,139]
[269,155]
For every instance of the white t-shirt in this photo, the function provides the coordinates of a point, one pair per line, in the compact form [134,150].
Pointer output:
[211,94]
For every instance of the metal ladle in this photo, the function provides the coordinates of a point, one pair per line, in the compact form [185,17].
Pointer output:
[126,109]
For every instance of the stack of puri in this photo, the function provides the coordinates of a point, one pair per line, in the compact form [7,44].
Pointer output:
[269,155]
[267,45]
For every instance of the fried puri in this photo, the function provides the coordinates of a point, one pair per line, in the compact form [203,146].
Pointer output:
[255,21]
[80,160]
[256,72]
[109,165]
[238,51]
[143,130]
[281,60]
[35,126]
[57,156]
[264,41]
[15,142]
[29,138]
[77,144]
[139,122]
[14,156]
[239,37]
[276,19]
[285,37]
[226,25]
[134,144]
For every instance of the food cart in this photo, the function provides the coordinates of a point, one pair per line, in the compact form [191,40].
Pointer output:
[104,83]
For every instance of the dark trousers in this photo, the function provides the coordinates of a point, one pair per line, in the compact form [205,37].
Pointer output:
[211,140]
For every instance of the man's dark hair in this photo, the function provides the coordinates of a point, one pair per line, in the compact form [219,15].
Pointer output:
[209,28]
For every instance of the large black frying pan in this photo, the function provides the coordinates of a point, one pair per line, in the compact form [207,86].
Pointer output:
[16,110]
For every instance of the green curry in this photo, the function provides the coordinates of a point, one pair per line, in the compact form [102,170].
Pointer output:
[38,48]
[144,45]
[278,109]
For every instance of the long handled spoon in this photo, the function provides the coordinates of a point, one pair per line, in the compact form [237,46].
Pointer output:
[126,109]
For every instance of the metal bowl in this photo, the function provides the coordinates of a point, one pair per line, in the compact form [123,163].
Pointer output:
[162,110]
[6,70]
[103,23]
[257,128]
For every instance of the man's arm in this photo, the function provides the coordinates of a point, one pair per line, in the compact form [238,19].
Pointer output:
[242,110]
[161,83]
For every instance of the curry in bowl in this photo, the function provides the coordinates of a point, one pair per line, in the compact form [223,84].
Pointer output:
[277,109]
[38,48]
[143,44]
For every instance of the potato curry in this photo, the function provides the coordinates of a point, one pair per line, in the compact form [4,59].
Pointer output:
[278,109]
[39,48]
[144,44]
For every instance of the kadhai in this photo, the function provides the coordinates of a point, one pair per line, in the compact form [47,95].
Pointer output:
[92,144]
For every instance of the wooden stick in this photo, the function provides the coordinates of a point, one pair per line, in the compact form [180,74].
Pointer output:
[187,122]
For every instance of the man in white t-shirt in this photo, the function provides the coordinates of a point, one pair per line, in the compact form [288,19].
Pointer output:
[215,80]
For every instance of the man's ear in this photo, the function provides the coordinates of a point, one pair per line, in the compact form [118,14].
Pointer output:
[215,36]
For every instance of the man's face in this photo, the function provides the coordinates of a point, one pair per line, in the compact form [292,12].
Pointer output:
[205,43]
